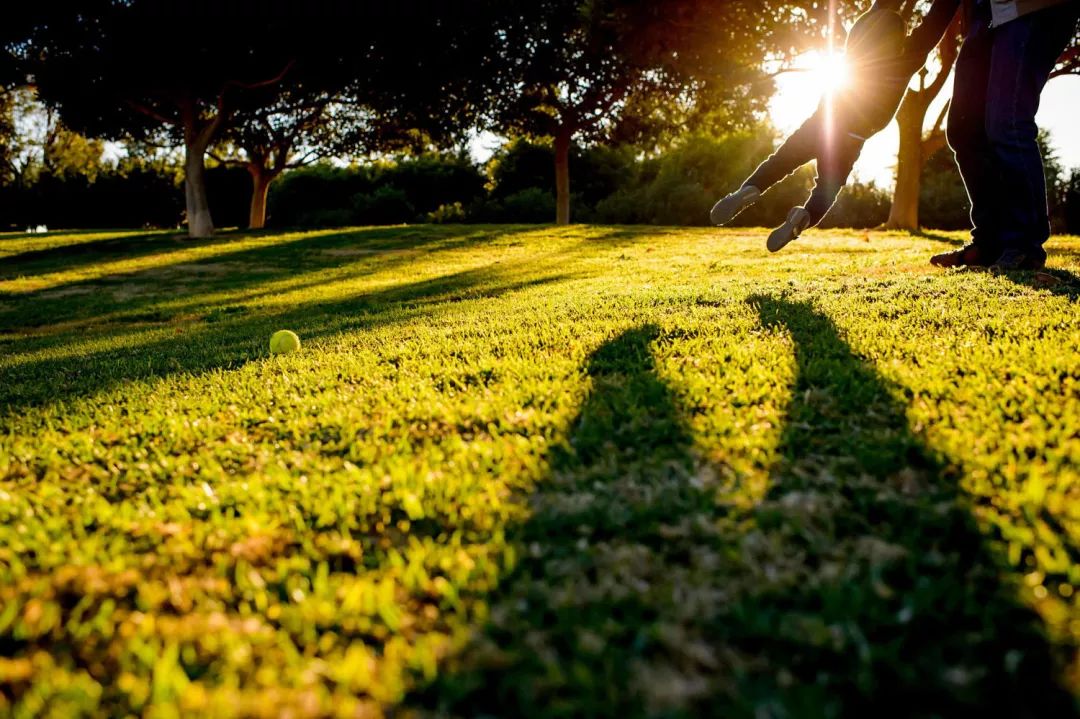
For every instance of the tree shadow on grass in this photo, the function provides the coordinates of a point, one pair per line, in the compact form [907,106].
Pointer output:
[180,287]
[73,255]
[232,339]
[128,245]
[128,295]
[858,585]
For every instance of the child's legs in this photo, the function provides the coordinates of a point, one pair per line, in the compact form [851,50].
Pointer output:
[800,148]
[833,168]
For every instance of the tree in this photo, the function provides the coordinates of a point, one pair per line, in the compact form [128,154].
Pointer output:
[917,145]
[411,82]
[566,70]
[131,69]
[290,133]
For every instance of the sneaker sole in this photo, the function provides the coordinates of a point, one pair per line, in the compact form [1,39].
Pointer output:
[783,235]
[722,215]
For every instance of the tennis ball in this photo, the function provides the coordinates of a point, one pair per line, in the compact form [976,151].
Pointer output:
[283,342]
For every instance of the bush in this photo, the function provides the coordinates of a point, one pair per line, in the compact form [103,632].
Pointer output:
[1071,208]
[529,205]
[861,206]
[943,201]
[432,180]
[387,205]
[389,193]
[140,197]
[311,196]
[448,214]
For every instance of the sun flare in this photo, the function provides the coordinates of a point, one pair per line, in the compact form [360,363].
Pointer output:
[798,91]
[829,72]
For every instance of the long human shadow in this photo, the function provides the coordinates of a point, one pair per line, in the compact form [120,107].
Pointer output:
[901,608]
[573,616]
[857,586]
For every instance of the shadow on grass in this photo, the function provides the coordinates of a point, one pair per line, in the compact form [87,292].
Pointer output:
[185,286]
[581,605]
[858,586]
[126,296]
[139,339]
[938,237]
[907,606]
[1055,280]
[66,257]
[233,338]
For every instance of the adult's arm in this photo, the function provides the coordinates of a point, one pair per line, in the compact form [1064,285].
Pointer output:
[928,34]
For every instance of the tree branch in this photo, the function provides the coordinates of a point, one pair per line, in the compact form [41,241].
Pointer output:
[228,162]
[1068,63]
[262,83]
[150,112]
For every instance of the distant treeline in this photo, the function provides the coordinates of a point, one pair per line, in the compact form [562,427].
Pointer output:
[611,185]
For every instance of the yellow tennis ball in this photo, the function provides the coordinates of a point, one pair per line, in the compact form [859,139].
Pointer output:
[283,342]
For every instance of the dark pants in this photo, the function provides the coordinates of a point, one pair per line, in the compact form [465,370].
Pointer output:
[1000,75]
[835,151]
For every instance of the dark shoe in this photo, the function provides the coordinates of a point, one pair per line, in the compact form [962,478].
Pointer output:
[970,255]
[726,209]
[1012,260]
[797,222]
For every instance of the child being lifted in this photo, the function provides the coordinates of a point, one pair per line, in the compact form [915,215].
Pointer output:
[882,58]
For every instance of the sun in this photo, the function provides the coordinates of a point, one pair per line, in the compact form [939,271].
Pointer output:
[799,90]
[829,71]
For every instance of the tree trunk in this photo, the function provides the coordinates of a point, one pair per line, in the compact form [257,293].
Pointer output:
[198,206]
[197,138]
[562,177]
[915,148]
[261,179]
[904,214]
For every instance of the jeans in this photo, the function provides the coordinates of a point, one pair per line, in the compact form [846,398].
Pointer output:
[1000,75]
[818,139]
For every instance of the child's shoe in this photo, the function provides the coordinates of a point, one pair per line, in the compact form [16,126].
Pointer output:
[726,209]
[797,222]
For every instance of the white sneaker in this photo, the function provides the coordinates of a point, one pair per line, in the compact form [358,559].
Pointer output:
[797,222]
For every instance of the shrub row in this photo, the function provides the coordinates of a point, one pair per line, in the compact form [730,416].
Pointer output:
[609,185]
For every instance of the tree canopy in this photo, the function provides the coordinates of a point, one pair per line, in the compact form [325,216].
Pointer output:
[192,70]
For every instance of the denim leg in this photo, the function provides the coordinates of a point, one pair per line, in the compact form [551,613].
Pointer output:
[833,169]
[800,148]
[967,130]
[1024,54]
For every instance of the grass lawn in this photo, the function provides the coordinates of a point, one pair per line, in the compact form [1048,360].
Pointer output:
[526,471]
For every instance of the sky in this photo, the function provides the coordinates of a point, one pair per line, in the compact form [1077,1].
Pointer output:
[798,93]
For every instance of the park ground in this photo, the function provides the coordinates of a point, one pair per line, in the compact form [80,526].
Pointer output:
[527,471]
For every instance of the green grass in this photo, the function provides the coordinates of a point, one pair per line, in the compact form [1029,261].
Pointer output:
[535,472]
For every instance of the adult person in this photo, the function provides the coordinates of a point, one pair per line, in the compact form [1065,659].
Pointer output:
[1010,48]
